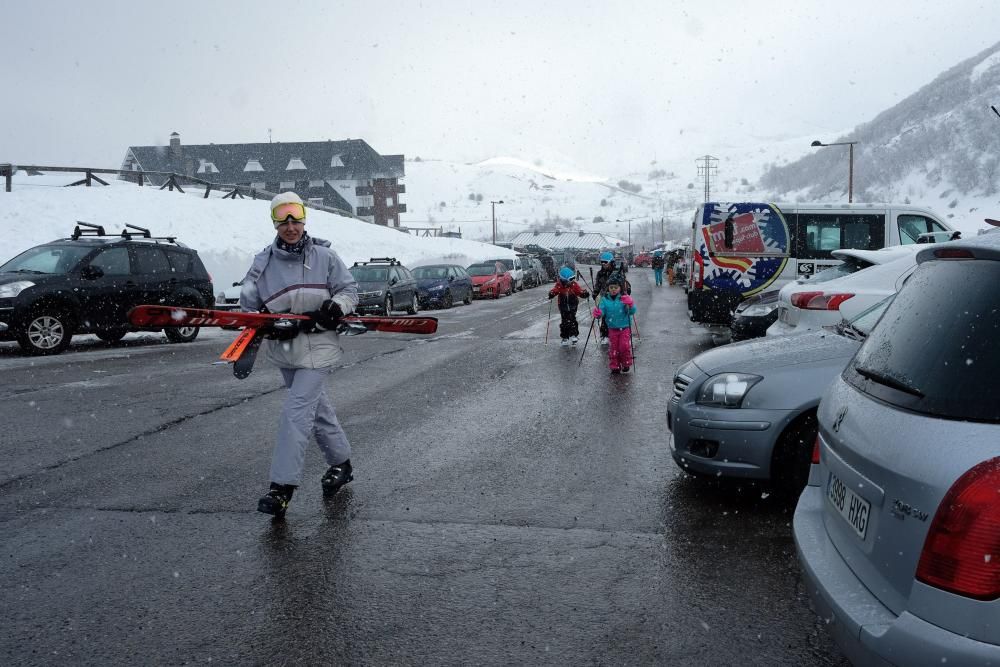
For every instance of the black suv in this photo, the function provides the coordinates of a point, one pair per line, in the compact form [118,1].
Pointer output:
[88,282]
[385,285]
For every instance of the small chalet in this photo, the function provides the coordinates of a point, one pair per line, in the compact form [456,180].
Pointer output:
[349,175]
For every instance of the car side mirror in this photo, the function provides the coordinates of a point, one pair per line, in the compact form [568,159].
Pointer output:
[451,278]
[393,281]
[91,272]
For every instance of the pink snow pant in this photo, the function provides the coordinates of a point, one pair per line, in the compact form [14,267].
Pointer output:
[619,348]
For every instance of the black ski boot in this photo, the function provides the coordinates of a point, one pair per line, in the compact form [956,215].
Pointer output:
[337,476]
[276,500]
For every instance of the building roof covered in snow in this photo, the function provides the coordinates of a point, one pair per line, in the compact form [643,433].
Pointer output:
[560,240]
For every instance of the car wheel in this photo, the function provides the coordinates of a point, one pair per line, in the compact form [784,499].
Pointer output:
[510,288]
[111,335]
[792,455]
[414,307]
[468,297]
[181,334]
[448,301]
[47,332]
[388,305]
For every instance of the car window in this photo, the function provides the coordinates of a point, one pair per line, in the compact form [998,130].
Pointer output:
[151,261]
[481,270]
[936,350]
[47,259]
[405,273]
[818,234]
[369,274]
[912,226]
[847,267]
[113,261]
[866,320]
[180,261]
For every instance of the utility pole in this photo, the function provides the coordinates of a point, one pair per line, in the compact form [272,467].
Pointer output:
[663,237]
[708,168]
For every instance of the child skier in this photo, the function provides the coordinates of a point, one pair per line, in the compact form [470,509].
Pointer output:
[569,293]
[617,310]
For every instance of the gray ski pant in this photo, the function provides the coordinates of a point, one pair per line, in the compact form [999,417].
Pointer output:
[307,411]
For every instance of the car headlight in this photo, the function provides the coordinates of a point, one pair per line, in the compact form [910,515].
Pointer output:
[726,390]
[13,289]
[436,288]
[759,310]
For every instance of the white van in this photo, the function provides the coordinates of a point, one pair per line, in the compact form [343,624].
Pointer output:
[740,249]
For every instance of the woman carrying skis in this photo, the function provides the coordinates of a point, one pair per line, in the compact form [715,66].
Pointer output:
[303,275]
[617,310]
[569,293]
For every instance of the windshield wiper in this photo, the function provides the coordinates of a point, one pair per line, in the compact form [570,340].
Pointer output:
[857,332]
[28,271]
[881,378]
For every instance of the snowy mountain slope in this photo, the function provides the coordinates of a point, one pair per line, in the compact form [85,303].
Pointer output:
[939,147]
[225,232]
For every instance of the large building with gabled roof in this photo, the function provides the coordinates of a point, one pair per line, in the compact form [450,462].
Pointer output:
[349,175]
[575,240]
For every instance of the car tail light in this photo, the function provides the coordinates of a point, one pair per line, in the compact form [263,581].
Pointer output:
[700,280]
[815,457]
[953,253]
[962,551]
[819,300]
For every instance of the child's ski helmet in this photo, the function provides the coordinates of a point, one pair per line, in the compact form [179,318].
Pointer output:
[607,256]
[566,274]
[615,279]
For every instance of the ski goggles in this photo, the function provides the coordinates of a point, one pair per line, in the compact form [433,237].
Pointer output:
[293,210]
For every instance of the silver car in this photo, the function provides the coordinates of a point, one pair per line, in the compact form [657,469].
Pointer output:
[898,531]
[749,409]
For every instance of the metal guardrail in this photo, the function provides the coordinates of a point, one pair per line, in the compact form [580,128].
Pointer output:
[172,181]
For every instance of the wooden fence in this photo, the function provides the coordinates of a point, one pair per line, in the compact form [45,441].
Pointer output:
[172,182]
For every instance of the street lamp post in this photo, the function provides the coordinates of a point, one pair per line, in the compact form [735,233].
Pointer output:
[493,207]
[629,221]
[850,164]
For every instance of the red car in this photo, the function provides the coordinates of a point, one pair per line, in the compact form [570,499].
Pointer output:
[490,280]
[642,259]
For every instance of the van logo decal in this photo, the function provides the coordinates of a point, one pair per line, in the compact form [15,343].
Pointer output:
[758,237]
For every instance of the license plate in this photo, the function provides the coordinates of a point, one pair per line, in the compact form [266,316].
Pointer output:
[475,290]
[854,509]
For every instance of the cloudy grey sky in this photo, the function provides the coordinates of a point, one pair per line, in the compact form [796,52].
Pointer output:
[605,86]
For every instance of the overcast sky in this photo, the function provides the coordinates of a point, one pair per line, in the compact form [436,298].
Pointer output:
[604,86]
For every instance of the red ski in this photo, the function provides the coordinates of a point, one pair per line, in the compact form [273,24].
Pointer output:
[243,351]
[175,316]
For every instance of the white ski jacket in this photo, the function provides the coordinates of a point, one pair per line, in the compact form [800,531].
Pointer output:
[286,282]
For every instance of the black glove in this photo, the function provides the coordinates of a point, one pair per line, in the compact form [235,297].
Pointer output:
[285,329]
[552,296]
[326,318]
[585,295]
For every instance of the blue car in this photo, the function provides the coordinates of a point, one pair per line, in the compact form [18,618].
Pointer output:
[441,285]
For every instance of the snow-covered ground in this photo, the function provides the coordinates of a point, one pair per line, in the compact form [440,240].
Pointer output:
[225,232]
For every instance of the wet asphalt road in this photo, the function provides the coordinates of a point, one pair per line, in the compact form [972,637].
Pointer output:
[509,506]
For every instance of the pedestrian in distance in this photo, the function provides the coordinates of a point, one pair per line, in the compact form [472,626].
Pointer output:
[617,310]
[657,265]
[569,294]
[671,263]
[301,274]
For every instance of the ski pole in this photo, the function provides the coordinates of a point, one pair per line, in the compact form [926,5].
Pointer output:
[631,345]
[548,320]
[586,343]
[636,322]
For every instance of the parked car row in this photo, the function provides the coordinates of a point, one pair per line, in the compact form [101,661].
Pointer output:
[889,422]
[86,284]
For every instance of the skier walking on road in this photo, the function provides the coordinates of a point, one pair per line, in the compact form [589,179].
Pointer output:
[303,275]
[569,293]
[617,310]
[657,264]
[600,280]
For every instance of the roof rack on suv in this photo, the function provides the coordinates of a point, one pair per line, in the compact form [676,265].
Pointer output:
[391,261]
[90,229]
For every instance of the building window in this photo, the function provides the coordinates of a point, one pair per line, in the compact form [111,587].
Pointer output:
[259,186]
[206,167]
[316,184]
[388,202]
[253,165]
[336,161]
[295,163]
[315,201]
[286,185]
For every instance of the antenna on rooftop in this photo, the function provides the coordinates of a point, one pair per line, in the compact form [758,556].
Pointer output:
[268,135]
